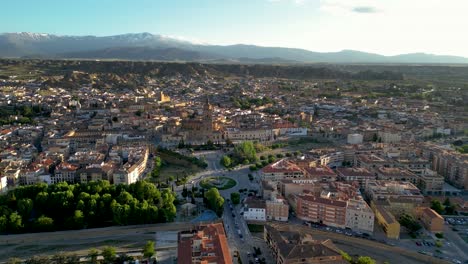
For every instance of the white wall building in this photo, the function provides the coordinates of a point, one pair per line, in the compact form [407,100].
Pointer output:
[359,216]
[255,210]
[355,139]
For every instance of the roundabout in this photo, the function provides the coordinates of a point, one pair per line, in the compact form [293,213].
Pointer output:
[220,183]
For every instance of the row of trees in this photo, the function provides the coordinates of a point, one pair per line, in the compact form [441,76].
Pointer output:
[63,206]
[109,256]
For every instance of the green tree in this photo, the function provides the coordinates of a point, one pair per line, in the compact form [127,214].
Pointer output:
[346,256]
[109,254]
[25,207]
[38,260]
[15,223]
[226,161]
[215,201]
[245,151]
[235,197]
[93,255]
[148,250]
[365,260]
[437,206]
[44,223]
[3,223]
[14,261]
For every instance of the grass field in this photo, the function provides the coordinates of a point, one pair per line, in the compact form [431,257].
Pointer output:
[225,183]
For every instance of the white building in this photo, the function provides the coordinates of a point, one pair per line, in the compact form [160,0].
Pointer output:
[359,216]
[3,184]
[355,139]
[255,210]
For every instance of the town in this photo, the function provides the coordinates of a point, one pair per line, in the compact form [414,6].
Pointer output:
[248,167]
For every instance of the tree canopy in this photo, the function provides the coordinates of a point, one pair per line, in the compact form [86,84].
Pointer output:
[65,206]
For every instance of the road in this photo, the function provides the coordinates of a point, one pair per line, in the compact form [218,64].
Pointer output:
[125,238]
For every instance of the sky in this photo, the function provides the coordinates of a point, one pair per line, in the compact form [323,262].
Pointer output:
[387,27]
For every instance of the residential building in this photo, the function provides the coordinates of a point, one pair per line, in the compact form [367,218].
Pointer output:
[292,247]
[396,174]
[3,184]
[320,210]
[383,190]
[431,220]
[203,244]
[277,209]
[387,221]
[359,216]
[361,175]
[254,209]
[355,139]
[281,169]
[430,182]
[65,172]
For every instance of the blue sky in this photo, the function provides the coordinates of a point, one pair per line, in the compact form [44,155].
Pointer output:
[382,26]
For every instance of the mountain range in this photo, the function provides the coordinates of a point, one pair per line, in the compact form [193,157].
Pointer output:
[147,46]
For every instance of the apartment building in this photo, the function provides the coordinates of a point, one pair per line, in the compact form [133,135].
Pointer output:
[281,169]
[254,209]
[383,190]
[387,221]
[430,182]
[431,220]
[292,247]
[64,172]
[361,175]
[3,184]
[320,210]
[396,174]
[359,216]
[277,209]
[203,244]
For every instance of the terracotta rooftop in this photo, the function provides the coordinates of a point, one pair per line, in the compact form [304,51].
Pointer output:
[213,245]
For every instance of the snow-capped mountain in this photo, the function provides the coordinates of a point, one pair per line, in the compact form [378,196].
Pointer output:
[147,46]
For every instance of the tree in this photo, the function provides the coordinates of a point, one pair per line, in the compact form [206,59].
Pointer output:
[93,255]
[365,260]
[3,223]
[215,201]
[38,260]
[16,222]
[109,255]
[226,161]
[148,250]
[44,223]
[25,207]
[60,258]
[245,151]
[235,197]
[346,256]
[437,206]
[14,261]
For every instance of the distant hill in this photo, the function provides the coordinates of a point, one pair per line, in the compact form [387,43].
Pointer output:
[146,46]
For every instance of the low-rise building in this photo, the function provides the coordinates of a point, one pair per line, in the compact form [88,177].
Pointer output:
[431,220]
[387,221]
[255,210]
[292,247]
[3,183]
[360,175]
[430,182]
[203,244]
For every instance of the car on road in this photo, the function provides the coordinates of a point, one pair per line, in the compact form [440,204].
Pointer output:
[418,243]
